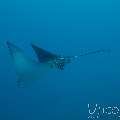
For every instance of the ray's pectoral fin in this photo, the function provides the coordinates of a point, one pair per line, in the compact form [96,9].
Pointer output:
[53,60]
[21,63]
[43,55]
[27,70]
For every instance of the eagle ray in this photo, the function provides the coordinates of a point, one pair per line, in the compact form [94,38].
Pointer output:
[29,70]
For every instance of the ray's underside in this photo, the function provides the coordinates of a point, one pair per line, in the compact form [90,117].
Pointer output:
[27,69]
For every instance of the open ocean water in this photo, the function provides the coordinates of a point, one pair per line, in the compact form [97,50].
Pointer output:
[62,27]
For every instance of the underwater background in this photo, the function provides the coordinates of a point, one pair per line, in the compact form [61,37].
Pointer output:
[62,27]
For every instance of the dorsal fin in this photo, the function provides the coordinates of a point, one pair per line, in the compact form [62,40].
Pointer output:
[43,55]
[27,70]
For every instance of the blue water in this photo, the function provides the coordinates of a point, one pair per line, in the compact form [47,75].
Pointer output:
[63,27]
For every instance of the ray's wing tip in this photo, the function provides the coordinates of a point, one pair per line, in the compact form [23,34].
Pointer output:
[9,47]
[8,43]
[33,45]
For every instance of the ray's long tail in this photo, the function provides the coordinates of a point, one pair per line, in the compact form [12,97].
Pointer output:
[100,51]
[94,52]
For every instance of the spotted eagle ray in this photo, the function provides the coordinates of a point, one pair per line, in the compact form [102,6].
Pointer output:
[28,69]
